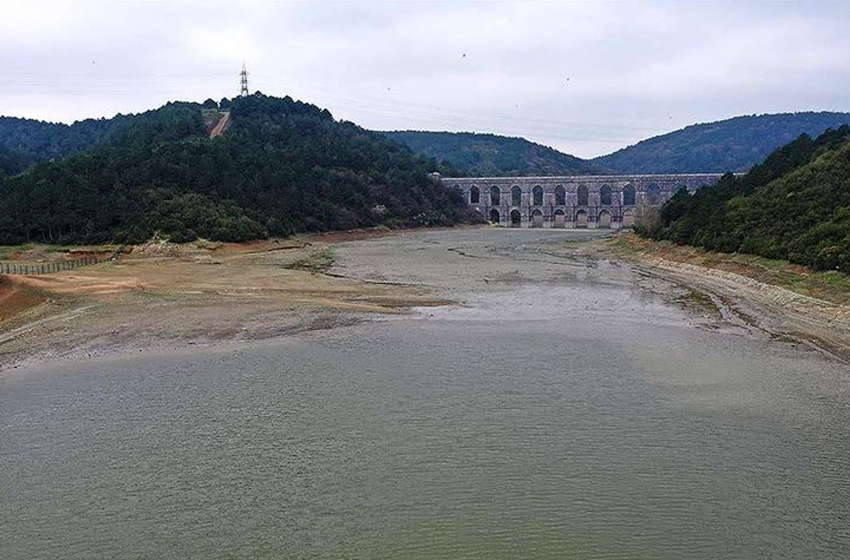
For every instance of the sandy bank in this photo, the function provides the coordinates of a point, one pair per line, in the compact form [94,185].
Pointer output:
[778,310]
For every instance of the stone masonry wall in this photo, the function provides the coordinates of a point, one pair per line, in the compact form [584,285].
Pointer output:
[607,201]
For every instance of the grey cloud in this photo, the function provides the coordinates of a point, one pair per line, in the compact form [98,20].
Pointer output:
[586,78]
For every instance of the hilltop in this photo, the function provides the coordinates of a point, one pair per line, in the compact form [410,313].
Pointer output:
[282,166]
[493,155]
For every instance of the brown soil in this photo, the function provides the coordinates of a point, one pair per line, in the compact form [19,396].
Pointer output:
[192,293]
[15,300]
[221,125]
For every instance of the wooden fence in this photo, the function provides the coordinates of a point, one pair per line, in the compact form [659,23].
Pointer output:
[30,269]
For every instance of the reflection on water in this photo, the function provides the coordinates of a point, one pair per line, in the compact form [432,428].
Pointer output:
[571,418]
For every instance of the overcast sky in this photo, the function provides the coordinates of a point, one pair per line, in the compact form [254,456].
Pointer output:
[586,78]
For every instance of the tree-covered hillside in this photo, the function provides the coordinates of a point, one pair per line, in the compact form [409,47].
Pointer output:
[41,141]
[11,162]
[492,155]
[730,145]
[282,166]
[794,206]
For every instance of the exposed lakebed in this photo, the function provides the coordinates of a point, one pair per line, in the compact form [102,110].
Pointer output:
[569,406]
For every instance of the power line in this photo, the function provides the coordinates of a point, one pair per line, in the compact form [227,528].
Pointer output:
[410,111]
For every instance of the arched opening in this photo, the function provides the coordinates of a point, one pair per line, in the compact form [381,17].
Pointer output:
[581,196]
[537,195]
[605,219]
[560,196]
[495,196]
[516,196]
[516,218]
[494,216]
[474,195]
[560,219]
[628,195]
[537,219]
[581,219]
[605,195]
[628,218]
[653,193]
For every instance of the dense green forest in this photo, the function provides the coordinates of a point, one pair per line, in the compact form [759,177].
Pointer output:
[731,145]
[283,166]
[41,141]
[491,155]
[11,162]
[794,206]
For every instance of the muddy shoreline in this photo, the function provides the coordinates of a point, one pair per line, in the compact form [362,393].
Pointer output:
[781,313]
[177,297]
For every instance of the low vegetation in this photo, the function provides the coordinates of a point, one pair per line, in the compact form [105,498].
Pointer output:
[316,262]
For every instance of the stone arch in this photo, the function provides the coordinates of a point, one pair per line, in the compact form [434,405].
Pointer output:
[495,196]
[605,219]
[516,196]
[560,220]
[536,219]
[560,196]
[628,218]
[537,195]
[516,218]
[605,195]
[628,195]
[474,195]
[581,196]
[653,193]
[581,219]
[494,216]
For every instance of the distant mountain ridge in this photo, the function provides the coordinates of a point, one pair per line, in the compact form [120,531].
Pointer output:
[735,144]
[41,140]
[492,155]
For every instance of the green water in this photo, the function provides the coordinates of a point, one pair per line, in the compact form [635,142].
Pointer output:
[565,412]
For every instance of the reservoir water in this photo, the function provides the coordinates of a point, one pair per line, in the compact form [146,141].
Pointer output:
[571,407]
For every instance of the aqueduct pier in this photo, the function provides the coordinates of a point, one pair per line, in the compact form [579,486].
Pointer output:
[579,201]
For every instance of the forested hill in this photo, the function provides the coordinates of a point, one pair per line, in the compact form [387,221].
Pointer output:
[492,155]
[794,206]
[40,141]
[11,162]
[730,145]
[282,166]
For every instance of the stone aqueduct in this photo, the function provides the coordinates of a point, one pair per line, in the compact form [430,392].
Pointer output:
[581,201]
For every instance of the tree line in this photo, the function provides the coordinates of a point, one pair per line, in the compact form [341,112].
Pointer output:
[793,206]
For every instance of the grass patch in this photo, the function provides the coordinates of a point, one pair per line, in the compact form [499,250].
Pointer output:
[316,262]
[827,285]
